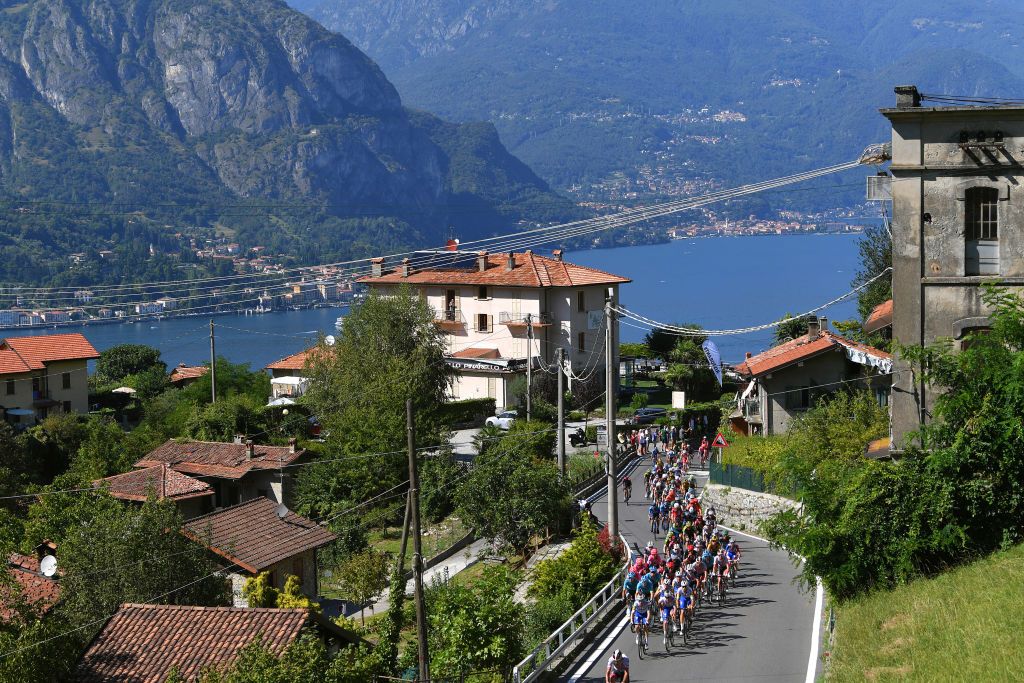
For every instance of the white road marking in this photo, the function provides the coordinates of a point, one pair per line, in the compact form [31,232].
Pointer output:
[600,651]
[812,660]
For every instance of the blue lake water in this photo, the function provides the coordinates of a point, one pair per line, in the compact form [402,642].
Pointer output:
[717,282]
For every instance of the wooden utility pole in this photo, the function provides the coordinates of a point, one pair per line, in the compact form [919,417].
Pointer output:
[417,546]
[529,365]
[561,412]
[213,366]
[610,407]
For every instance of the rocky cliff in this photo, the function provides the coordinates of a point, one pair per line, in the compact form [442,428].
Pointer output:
[208,106]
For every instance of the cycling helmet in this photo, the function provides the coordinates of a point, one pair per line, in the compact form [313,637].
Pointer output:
[617,655]
[632,576]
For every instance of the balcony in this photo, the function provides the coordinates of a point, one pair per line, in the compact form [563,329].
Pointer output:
[450,319]
[518,322]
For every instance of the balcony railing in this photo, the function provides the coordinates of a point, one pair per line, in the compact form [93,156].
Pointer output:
[449,318]
[751,407]
[519,320]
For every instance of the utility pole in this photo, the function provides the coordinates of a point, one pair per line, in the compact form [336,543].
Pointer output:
[417,546]
[529,365]
[610,406]
[213,366]
[561,412]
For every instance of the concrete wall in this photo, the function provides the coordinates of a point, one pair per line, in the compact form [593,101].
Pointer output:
[933,297]
[51,385]
[302,565]
[830,366]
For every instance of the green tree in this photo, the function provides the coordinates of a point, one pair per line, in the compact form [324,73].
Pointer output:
[635,350]
[578,573]
[126,553]
[362,577]
[307,660]
[233,379]
[439,476]
[388,350]
[688,368]
[124,360]
[476,628]
[586,395]
[660,342]
[238,414]
[487,437]
[790,328]
[875,247]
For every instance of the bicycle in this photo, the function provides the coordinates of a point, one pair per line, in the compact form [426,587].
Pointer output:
[626,493]
[641,640]
[723,587]
[666,633]
[732,574]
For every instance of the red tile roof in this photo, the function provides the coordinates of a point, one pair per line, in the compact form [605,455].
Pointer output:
[217,459]
[142,643]
[252,535]
[800,349]
[880,317]
[294,362]
[530,270]
[160,480]
[23,354]
[184,372]
[477,353]
[36,589]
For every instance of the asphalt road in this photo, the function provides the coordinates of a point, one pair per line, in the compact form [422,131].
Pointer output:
[762,634]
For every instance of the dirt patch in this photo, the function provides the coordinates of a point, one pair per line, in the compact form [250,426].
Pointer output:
[895,621]
[895,646]
[876,673]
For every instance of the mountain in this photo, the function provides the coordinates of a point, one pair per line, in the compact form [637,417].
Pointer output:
[125,122]
[612,100]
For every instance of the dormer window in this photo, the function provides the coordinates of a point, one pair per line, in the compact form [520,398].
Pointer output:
[981,231]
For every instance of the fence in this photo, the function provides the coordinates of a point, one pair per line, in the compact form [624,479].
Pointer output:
[737,476]
[578,625]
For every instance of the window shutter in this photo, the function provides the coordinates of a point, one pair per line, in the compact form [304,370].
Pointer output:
[490,323]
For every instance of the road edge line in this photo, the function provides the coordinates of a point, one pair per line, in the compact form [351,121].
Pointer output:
[599,652]
[812,659]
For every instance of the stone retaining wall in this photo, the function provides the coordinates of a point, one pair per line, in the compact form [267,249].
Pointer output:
[742,509]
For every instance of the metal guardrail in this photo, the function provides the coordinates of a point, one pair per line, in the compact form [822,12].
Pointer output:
[540,659]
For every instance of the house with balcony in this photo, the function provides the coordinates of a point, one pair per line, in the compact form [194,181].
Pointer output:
[504,312]
[786,380]
[44,374]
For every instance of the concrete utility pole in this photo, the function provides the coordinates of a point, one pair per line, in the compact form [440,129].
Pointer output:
[529,365]
[610,406]
[417,546]
[561,412]
[213,366]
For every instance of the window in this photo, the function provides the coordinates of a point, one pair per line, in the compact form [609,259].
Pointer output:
[581,301]
[67,406]
[10,387]
[65,380]
[981,231]
[35,386]
[451,305]
[483,322]
[798,398]
[581,342]
[481,293]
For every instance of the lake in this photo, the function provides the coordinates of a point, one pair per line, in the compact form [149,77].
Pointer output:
[717,282]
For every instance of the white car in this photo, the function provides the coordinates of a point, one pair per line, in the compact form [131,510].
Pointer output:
[503,420]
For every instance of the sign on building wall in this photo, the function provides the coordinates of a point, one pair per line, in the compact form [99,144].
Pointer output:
[595,319]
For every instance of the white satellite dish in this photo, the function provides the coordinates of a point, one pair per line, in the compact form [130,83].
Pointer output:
[329,340]
[48,566]
[282,510]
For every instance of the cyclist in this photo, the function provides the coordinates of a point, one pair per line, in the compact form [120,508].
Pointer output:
[733,554]
[627,488]
[665,607]
[720,570]
[653,513]
[629,587]
[617,670]
[641,615]
[684,603]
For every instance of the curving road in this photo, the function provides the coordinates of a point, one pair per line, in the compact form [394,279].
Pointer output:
[762,634]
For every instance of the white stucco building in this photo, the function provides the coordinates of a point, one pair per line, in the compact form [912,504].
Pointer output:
[487,302]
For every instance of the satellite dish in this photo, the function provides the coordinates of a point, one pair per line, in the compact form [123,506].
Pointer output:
[48,566]
[282,510]
[329,340]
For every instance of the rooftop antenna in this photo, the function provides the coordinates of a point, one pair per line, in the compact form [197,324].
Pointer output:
[48,566]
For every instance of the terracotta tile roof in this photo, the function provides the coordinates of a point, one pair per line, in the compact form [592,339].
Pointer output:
[22,354]
[186,372]
[294,362]
[800,349]
[880,317]
[530,270]
[476,353]
[160,479]
[142,643]
[36,589]
[218,459]
[252,535]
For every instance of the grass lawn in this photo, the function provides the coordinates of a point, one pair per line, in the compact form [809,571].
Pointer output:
[966,624]
[436,537]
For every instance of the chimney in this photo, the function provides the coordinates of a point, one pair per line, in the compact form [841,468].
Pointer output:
[452,245]
[511,262]
[823,324]
[557,253]
[250,448]
[47,547]
[813,329]
[907,97]
[481,261]
[749,355]
[291,445]
[405,267]
[377,266]
[239,439]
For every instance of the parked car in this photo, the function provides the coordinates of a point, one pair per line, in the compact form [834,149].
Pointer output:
[646,416]
[503,420]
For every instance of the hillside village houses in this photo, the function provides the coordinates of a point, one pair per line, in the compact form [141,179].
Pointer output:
[43,375]
[958,220]
[487,303]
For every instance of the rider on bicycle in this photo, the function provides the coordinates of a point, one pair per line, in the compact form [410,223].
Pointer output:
[617,670]
[641,614]
[627,488]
